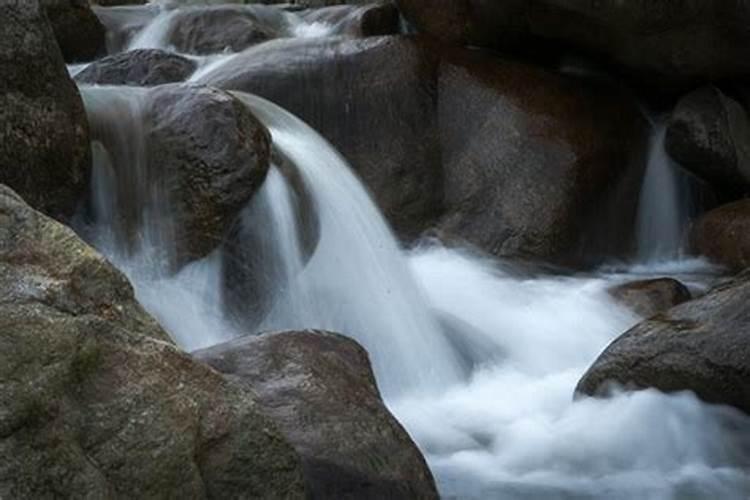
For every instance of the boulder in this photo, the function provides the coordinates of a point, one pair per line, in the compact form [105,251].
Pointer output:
[204,155]
[723,235]
[78,31]
[44,143]
[650,297]
[663,41]
[534,165]
[357,20]
[700,346]
[96,401]
[320,390]
[373,98]
[709,134]
[144,67]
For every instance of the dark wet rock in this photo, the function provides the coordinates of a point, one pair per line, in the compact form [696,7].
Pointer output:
[538,167]
[79,32]
[113,3]
[700,346]
[96,402]
[211,30]
[144,67]
[650,297]
[661,40]
[44,144]
[320,390]
[709,134]
[357,20]
[373,98]
[723,235]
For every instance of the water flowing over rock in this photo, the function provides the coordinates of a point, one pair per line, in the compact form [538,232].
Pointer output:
[78,31]
[44,144]
[709,134]
[356,20]
[538,166]
[374,99]
[649,297]
[145,67]
[699,346]
[723,235]
[660,40]
[97,402]
[350,444]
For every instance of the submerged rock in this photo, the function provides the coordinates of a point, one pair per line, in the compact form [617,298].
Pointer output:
[144,67]
[373,98]
[96,402]
[723,235]
[535,165]
[320,390]
[650,297]
[660,40]
[709,134]
[700,346]
[44,143]
[78,31]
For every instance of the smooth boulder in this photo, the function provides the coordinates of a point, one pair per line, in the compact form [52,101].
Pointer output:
[650,297]
[44,145]
[708,133]
[143,68]
[78,31]
[96,402]
[534,164]
[723,235]
[701,346]
[374,99]
[320,390]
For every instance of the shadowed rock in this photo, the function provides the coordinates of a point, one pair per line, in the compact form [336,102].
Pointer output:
[723,235]
[649,297]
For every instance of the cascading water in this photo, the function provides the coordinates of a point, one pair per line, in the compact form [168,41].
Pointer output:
[665,204]
[478,363]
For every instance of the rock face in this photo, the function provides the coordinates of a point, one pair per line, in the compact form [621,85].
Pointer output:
[709,134]
[533,161]
[723,235]
[650,297]
[78,31]
[44,144]
[144,68]
[701,346]
[662,40]
[211,30]
[374,99]
[319,388]
[96,402]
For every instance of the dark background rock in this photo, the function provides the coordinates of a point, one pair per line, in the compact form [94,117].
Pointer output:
[96,402]
[649,297]
[350,444]
[44,143]
[144,67]
[374,99]
[535,165]
[700,346]
[723,235]
[78,31]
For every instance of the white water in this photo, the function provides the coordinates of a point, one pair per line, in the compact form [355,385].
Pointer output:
[510,429]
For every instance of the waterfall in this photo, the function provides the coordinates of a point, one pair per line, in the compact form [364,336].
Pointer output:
[665,205]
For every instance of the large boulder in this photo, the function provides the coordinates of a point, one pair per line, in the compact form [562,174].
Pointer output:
[709,134]
[319,388]
[650,297]
[534,165]
[97,403]
[44,144]
[144,67]
[373,98]
[78,31]
[701,346]
[204,155]
[723,235]
[662,40]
